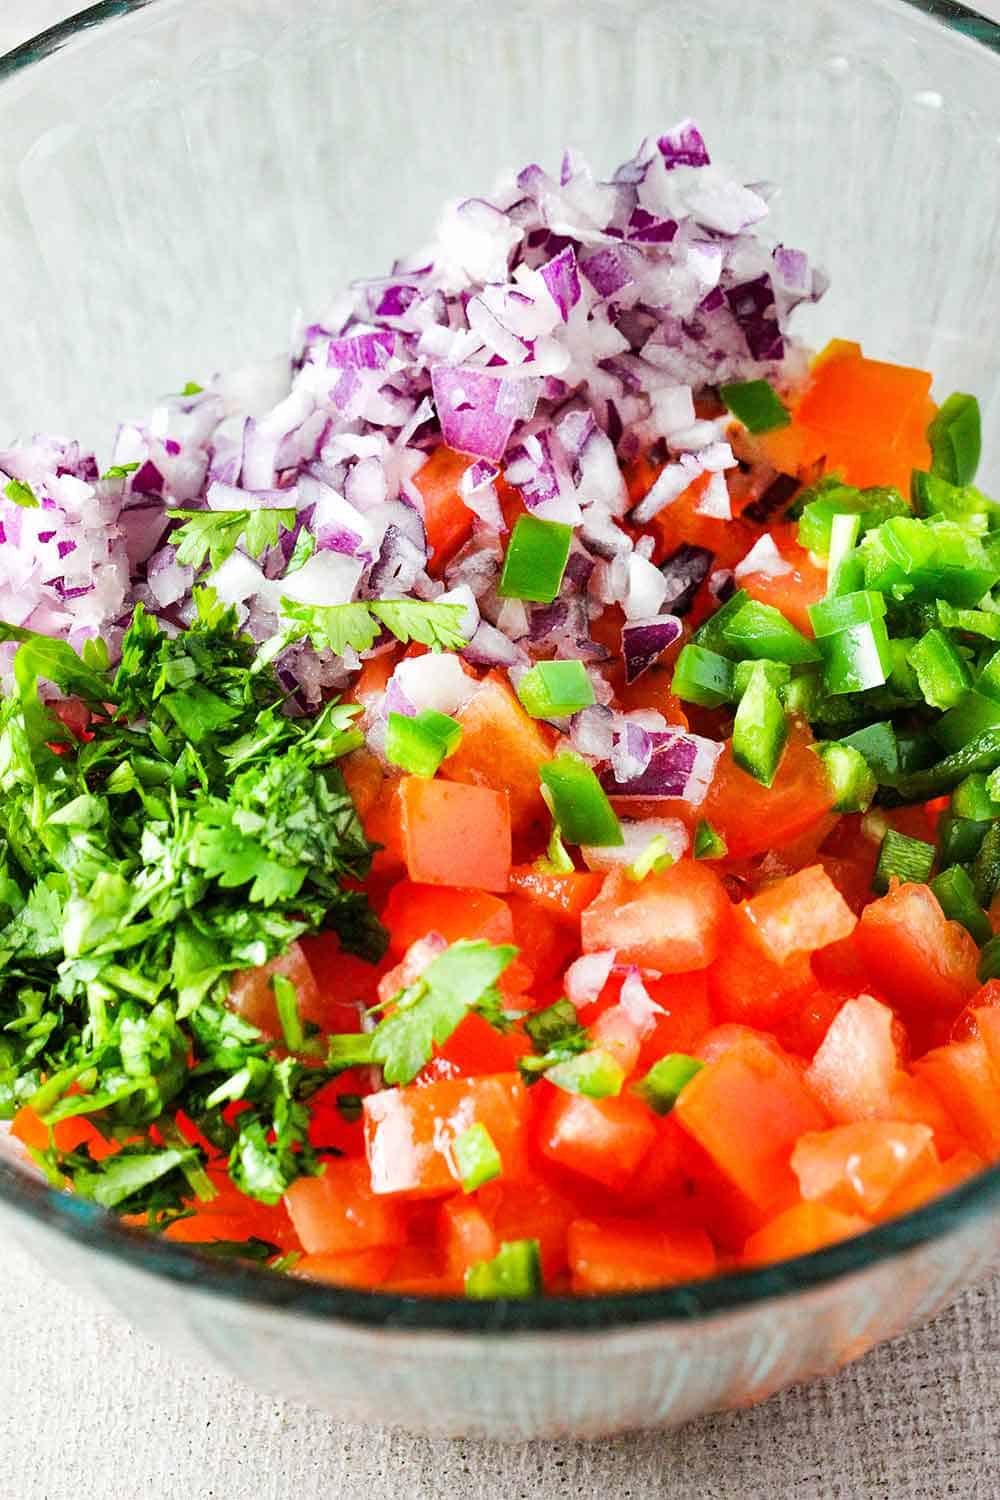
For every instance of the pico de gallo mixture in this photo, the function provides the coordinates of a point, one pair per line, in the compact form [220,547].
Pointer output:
[505,798]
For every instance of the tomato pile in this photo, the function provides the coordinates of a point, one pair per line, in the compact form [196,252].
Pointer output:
[839,1061]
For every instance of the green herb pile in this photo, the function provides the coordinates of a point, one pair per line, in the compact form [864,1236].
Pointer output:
[193,830]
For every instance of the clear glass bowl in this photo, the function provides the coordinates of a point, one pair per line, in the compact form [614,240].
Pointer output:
[178,178]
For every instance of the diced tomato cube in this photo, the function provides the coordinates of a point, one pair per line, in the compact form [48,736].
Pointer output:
[747,1110]
[913,1099]
[968,1085]
[791,592]
[753,818]
[799,1230]
[922,963]
[465,1236]
[931,1180]
[671,922]
[685,1015]
[747,986]
[565,896]
[619,1255]
[66,1135]
[531,1208]
[854,1069]
[855,1167]
[251,995]
[345,984]
[545,942]
[604,1139]
[473,1049]
[800,914]
[413,911]
[337,1213]
[447,519]
[502,749]
[409,1132]
[363,1268]
[967,1022]
[455,834]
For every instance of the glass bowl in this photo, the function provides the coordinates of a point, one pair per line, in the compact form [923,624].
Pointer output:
[178,178]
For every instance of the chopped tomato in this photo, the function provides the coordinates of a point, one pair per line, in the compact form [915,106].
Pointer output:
[364,1268]
[855,1067]
[856,1167]
[413,911]
[531,1208]
[967,1022]
[931,1180]
[465,1236]
[473,1049]
[545,943]
[964,1078]
[792,592]
[866,419]
[565,896]
[502,748]
[447,519]
[365,779]
[455,834]
[921,962]
[800,914]
[683,1019]
[618,1255]
[409,1132]
[66,1135]
[604,1139]
[337,1213]
[799,1230]
[251,993]
[671,922]
[747,986]
[747,1110]
[753,818]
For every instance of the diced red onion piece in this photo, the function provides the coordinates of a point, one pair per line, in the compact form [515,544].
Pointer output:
[645,640]
[586,977]
[637,836]
[681,766]
[763,557]
[638,1004]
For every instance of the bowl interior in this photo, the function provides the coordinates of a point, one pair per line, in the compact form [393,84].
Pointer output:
[181,178]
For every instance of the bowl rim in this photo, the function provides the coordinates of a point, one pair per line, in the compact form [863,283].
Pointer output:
[32,1198]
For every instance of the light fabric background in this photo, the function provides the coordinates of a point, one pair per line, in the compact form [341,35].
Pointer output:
[91,1409]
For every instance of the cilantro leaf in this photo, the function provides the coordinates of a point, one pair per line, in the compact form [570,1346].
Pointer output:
[430,1010]
[429,623]
[356,626]
[214,534]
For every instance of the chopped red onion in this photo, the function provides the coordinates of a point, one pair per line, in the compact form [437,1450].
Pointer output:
[477,411]
[592,731]
[685,570]
[763,557]
[631,750]
[637,836]
[638,1004]
[644,641]
[684,146]
[586,977]
[681,766]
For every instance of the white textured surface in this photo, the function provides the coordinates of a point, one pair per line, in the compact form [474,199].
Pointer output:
[90,1408]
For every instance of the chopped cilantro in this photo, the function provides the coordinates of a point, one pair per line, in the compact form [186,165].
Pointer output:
[196,831]
[426,1013]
